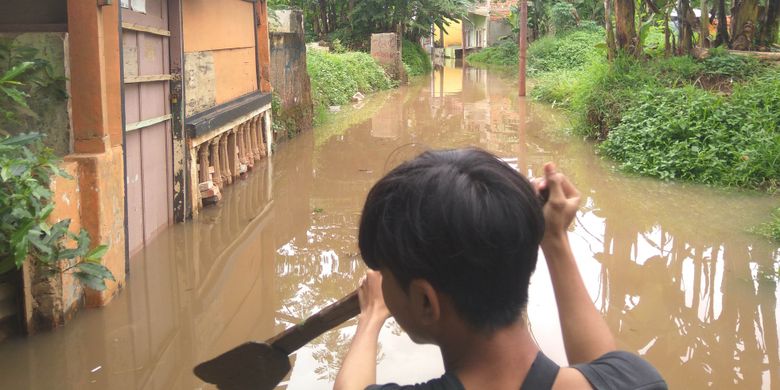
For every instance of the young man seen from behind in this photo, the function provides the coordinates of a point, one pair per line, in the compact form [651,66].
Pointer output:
[453,237]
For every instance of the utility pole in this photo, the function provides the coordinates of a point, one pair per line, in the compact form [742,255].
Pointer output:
[523,44]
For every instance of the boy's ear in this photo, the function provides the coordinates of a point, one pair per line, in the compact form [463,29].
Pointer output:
[424,301]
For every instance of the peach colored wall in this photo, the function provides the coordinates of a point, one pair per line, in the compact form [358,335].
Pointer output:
[217,24]
[67,205]
[235,72]
[95,98]
[222,30]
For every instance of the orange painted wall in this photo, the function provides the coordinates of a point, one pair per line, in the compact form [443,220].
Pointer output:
[236,73]
[225,28]
[217,24]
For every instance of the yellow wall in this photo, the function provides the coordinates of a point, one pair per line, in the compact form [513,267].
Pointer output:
[453,35]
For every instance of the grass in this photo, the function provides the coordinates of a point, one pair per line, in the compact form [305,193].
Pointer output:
[572,50]
[713,121]
[415,59]
[336,77]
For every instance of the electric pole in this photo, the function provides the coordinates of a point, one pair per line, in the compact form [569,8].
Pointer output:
[522,44]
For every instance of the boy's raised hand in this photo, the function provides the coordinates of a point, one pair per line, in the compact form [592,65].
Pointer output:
[563,201]
[372,301]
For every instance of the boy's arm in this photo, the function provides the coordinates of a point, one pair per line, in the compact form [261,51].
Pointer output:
[358,370]
[585,333]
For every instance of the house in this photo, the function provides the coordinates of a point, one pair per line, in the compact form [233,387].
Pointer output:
[168,102]
[483,26]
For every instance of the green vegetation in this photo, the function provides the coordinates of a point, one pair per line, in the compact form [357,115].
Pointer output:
[24,78]
[712,121]
[502,54]
[771,229]
[568,51]
[26,171]
[353,22]
[415,59]
[336,77]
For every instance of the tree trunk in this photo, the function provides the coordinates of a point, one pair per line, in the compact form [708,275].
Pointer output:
[704,26]
[744,16]
[686,30]
[625,26]
[610,30]
[769,24]
[324,17]
[315,25]
[667,40]
[722,37]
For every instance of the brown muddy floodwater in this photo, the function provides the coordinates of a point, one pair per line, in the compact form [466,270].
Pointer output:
[670,265]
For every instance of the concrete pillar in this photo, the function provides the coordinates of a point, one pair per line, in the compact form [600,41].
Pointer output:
[263,46]
[253,133]
[269,135]
[224,159]
[214,154]
[96,115]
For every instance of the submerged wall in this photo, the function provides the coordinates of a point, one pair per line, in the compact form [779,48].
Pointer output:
[289,75]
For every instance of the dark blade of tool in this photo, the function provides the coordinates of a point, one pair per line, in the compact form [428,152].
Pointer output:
[262,366]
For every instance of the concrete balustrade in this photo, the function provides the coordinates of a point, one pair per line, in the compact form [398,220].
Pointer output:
[229,155]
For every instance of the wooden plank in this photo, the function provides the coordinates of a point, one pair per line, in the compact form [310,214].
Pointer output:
[146,29]
[148,78]
[147,122]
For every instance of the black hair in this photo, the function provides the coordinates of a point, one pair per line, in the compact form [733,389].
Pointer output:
[463,220]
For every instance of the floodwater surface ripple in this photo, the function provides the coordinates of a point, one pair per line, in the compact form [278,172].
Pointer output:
[671,266]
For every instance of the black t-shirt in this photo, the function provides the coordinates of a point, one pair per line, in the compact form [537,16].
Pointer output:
[617,370]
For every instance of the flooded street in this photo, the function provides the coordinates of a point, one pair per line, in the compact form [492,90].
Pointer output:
[670,265]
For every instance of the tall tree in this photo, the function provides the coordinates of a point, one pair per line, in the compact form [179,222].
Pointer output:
[769,23]
[704,25]
[625,26]
[686,21]
[744,16]
[610,31]
[722,37]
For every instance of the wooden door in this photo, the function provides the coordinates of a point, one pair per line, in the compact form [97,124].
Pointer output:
[148,142]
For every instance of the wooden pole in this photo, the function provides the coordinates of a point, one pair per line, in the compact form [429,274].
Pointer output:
[523,44]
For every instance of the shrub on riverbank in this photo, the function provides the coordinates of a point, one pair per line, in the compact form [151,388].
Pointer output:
[336,77]
[415,59]
[713,121]
[568,51]
[502,54]
[771,229]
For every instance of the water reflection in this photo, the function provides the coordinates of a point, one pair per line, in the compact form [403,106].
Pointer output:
[669,265]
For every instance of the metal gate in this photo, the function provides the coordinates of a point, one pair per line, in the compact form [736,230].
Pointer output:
[148,142]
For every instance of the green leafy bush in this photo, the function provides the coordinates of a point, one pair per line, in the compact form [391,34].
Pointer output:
[604,91]
[678,70]
[692,134]
[771,229]
[556,88]
[562,17]
[26,170]
[415,59]
[571,51]
[24,75]
[502,54]
[721,63]
[336,77]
